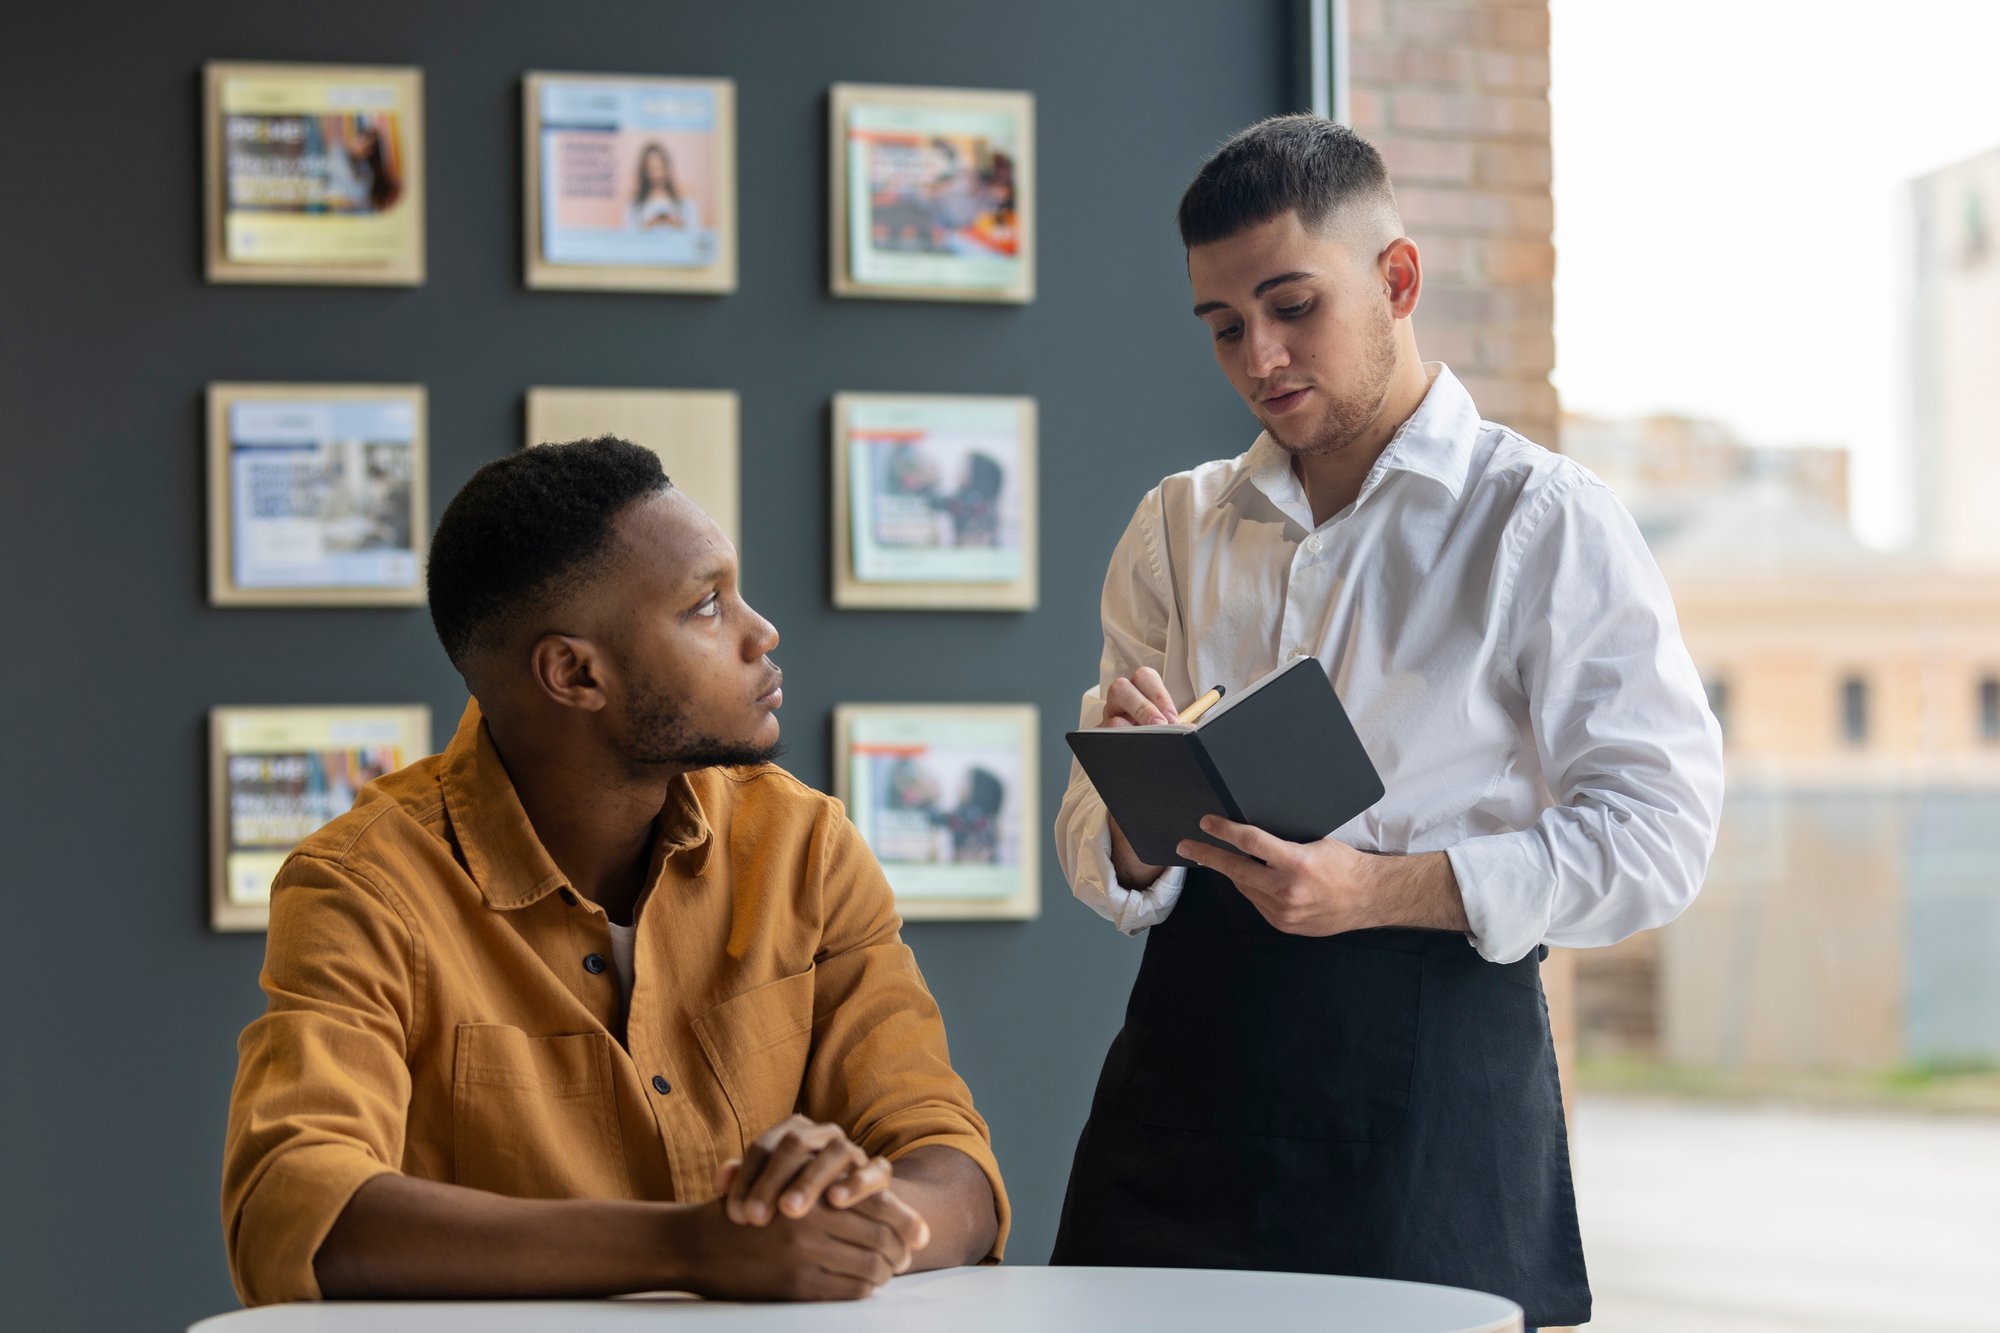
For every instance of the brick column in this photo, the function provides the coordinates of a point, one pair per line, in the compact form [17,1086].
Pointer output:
[1455,94]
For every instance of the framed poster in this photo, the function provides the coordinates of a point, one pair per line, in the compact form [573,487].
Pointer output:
[631,183]
[694,431]
[316,494]
[276,775]
[945,796]
[934,502]
[313,173]
[933,193]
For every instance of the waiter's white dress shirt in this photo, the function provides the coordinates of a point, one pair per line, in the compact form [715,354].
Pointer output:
[1502,639]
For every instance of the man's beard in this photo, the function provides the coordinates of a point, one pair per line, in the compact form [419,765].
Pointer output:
[658,730]
[1348,419]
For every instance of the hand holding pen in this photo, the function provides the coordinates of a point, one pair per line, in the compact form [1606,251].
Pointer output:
[1141,700]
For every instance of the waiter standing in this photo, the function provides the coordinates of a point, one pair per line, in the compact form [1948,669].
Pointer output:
[1336,1056]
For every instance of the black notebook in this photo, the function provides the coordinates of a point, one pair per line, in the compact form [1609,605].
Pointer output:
[1280,755]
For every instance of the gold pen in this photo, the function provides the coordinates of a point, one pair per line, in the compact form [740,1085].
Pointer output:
[1193,711]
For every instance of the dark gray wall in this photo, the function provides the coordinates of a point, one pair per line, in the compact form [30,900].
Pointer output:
[121,1009]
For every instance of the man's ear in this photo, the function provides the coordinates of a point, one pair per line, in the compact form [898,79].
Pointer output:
[1402,274]
[569,670]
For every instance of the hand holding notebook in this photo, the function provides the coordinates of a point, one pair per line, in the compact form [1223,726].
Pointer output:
[1279,754]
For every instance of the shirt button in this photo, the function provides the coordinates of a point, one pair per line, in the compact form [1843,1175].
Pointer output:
[593,962]
[1312,545]
[568,897]
[661,1086]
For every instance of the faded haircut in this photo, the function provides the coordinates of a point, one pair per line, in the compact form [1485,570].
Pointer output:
[1326,173]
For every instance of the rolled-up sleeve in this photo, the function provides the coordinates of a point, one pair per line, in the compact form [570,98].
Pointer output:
[880,1067]
[1629,750]
[322,1080]
[1136,609]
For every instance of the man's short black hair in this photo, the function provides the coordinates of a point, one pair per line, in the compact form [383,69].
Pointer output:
[527,528]
[1305,164]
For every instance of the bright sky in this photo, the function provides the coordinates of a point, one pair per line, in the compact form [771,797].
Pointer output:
[1731,211]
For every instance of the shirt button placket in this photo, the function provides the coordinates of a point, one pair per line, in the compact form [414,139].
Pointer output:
[1308,549]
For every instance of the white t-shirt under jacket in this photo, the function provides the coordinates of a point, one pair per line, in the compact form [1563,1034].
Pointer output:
[1501,637]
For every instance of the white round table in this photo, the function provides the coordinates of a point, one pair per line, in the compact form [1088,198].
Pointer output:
[957,1300]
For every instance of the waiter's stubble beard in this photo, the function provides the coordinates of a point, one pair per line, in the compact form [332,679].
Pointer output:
[1350,416]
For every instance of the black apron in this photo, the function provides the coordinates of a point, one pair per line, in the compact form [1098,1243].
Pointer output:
[1379,1104]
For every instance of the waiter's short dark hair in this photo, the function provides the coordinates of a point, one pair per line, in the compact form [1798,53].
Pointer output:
[526,529]
[1299,163]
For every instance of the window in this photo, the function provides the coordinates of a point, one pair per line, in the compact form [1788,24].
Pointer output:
[1718,701]
[1854,710]
[1989,710]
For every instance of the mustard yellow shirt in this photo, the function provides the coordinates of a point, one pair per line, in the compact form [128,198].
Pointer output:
[442,1004]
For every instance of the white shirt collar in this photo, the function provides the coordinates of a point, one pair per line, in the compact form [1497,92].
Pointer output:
[1436,441]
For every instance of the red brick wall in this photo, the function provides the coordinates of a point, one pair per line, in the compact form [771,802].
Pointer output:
[1455,94]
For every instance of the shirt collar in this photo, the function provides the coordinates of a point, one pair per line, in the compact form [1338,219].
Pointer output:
[1436,441]
[1267,467]
[502,854]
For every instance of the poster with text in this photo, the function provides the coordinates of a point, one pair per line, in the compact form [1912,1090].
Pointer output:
[935,486]
[323,495]
[318,169]
[945,799]
[630,172]
[286,772]
[936,193]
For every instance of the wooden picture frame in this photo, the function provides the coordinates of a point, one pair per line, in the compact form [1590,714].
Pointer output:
[351,532]
[693,124]
[955,218]
[297,768]
[694,431]
[935,500]
[359,219]
[947,796]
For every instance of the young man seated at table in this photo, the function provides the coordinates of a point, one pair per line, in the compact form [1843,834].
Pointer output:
[598,1000]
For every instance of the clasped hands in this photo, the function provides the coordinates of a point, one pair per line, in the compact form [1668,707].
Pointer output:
[806,1206]
[1314,888]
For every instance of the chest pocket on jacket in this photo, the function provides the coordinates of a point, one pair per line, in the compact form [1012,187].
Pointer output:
[758,1043]
[536,1117]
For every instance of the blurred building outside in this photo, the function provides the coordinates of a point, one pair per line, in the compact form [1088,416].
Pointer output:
[1852,910]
